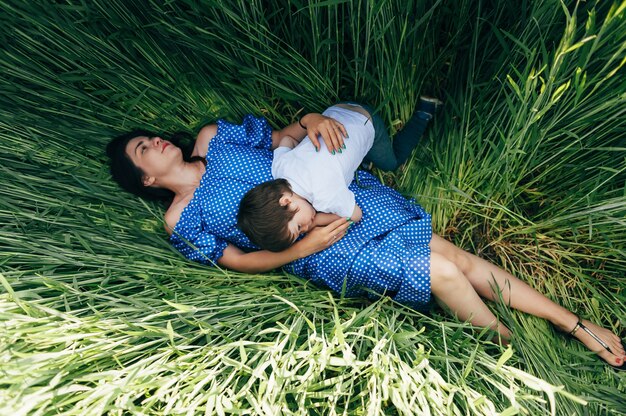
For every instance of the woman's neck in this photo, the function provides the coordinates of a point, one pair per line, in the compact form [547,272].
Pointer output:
[184,179]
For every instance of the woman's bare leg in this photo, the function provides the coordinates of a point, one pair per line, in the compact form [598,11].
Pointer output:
[486,277]
[451,287]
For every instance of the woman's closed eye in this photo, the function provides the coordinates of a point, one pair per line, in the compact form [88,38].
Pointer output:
[144,146]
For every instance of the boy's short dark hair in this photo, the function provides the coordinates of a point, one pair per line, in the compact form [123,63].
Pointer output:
[263,219]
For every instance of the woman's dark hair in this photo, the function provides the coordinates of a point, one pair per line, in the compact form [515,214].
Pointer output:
[130,177]
[263,219]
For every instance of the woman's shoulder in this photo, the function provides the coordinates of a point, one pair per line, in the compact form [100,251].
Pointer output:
[205,135]
[174,212]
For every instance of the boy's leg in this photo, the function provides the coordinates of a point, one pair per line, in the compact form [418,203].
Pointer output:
[407,139]
[381,154]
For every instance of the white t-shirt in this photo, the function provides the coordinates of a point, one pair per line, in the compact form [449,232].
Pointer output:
[320,177]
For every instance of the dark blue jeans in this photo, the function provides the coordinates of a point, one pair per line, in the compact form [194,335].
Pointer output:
[390,156]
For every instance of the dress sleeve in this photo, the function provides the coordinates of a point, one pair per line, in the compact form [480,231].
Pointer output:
[199,246]
[253,132]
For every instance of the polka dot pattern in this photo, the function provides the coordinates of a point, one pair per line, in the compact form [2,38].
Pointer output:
[386,253]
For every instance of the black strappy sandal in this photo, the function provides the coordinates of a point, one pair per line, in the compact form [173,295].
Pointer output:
[580,325]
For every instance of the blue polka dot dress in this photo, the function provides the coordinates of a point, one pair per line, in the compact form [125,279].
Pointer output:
[386,253]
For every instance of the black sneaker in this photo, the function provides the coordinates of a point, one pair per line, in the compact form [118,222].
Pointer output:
[429,105]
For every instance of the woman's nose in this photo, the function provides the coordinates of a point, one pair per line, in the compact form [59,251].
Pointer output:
[156,141]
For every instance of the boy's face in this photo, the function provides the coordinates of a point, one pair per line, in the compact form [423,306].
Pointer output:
[302,222]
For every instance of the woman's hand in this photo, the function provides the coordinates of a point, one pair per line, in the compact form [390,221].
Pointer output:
[262,261]
[320,238]
[332,131]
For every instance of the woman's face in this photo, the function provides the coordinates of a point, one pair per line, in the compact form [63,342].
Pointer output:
[153,155]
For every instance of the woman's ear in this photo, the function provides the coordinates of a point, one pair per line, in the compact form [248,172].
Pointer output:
[284,200]
[148,180]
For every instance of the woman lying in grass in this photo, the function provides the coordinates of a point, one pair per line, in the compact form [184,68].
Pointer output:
[391,251]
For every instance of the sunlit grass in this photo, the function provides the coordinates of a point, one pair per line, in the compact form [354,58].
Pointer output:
[98,314]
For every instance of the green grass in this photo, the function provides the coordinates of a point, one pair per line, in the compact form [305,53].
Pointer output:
[526,167]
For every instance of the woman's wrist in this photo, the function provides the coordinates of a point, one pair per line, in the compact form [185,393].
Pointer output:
[305,120]
[296,251]
[301,249]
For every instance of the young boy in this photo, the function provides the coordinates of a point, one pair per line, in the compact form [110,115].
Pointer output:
[313,186]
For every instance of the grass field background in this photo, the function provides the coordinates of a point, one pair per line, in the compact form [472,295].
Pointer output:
[525,167]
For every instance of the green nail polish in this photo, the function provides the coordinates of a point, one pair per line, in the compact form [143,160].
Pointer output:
[348,219]
[333,152]
[317,149]
[343,145]
[339,150]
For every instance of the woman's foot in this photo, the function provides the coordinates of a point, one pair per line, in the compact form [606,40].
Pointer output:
[594,336]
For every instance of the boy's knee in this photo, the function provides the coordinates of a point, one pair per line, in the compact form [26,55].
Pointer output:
[388,164]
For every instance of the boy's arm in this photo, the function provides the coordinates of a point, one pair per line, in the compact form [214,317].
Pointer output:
[288,141]
[356,214]
[324,218]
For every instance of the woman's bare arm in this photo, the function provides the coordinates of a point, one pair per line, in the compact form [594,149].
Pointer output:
[205,135]
[262,261]
[331,131]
